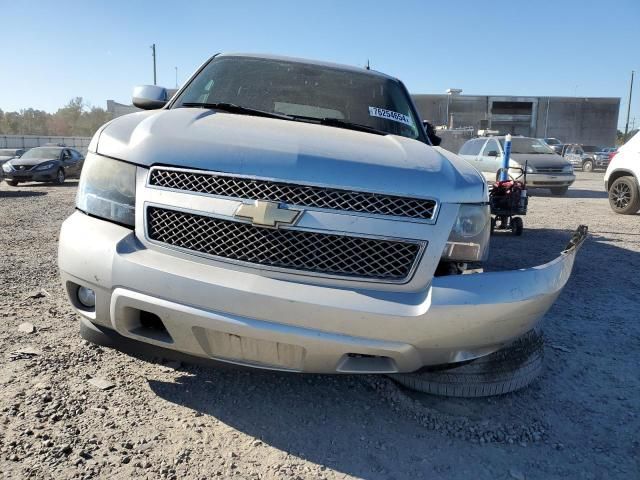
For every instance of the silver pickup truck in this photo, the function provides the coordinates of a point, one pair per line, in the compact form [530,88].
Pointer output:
[292,215]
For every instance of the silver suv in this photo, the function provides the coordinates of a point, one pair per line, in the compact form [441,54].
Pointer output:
[289,214]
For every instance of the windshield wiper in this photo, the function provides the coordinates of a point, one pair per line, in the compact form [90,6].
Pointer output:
[339,123]
[233,108]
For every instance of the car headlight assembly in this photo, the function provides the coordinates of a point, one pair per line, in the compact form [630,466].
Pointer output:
[469,237]
[107,189]
[567,169]
[6,167]
[530,169]
[46,166]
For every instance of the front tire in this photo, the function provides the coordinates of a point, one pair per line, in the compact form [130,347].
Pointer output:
[559,191]
[60,177]
[509,369]
[624,197]
[517,226]
[587,166]
[13,183]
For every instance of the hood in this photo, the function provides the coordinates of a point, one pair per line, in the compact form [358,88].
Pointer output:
[540,160]
[30,161]
[290,151]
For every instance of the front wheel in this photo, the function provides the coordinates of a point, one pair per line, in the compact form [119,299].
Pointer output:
[587,166]
[624,197]
[13,183]
[60,177]
[559,191]
[517,226]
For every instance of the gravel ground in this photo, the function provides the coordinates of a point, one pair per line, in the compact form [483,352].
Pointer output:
[166,420]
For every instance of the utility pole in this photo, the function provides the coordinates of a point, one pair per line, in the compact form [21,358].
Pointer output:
[626,127]
[153,49]
[176,77]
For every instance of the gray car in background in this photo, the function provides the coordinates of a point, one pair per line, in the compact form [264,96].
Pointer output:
[545,168]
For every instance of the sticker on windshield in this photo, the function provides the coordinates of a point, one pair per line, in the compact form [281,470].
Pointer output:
[390,115]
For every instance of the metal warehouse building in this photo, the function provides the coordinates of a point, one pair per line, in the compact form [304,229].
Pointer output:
[591,121]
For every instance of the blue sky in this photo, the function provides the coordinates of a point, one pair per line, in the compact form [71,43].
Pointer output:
[52,51]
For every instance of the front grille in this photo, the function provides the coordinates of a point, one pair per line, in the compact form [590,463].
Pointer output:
[290,249]
[303,195]
[549,170]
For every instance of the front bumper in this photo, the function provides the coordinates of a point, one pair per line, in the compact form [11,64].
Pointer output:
[249,319]
[31,176]
[546,180]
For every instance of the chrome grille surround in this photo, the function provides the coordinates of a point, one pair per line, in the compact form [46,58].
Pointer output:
[310,196]
[327,254]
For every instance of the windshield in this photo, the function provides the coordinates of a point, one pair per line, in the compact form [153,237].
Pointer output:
[310,92]
[42,153]
[529,146]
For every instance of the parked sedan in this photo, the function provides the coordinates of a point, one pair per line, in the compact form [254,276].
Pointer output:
[43,164]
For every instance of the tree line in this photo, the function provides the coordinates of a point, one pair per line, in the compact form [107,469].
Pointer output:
[75,119]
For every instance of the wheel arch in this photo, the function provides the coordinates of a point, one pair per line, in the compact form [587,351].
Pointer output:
[616,174]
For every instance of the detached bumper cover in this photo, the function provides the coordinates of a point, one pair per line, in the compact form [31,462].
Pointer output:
[222,314]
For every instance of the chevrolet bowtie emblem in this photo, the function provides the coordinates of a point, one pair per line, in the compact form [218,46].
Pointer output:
[267,214]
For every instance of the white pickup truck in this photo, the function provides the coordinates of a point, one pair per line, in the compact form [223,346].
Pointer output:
[292,215]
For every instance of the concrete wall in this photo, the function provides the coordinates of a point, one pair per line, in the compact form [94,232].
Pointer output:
[30,141]
[571,119]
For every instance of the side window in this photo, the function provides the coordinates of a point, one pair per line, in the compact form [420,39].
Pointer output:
[75,155]
[491,146]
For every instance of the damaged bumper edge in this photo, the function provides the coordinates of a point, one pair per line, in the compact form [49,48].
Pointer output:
[219,314]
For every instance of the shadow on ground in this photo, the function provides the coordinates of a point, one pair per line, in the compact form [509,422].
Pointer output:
[67,184]
[343,423]
[571,193]
[19,194]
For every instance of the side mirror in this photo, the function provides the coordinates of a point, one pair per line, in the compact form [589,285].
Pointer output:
[493,153]
[149,97]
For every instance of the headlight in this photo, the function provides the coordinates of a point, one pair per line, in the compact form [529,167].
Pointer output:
[46,166]
[469,235]
[530,169]
[6,167]
[107,189]
[567,169]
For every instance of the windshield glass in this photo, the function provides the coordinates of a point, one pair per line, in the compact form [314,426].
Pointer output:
[315,92]
[42,153]
[528,146]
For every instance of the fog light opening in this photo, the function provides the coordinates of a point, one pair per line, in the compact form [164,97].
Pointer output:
[86,297]
[150,325]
